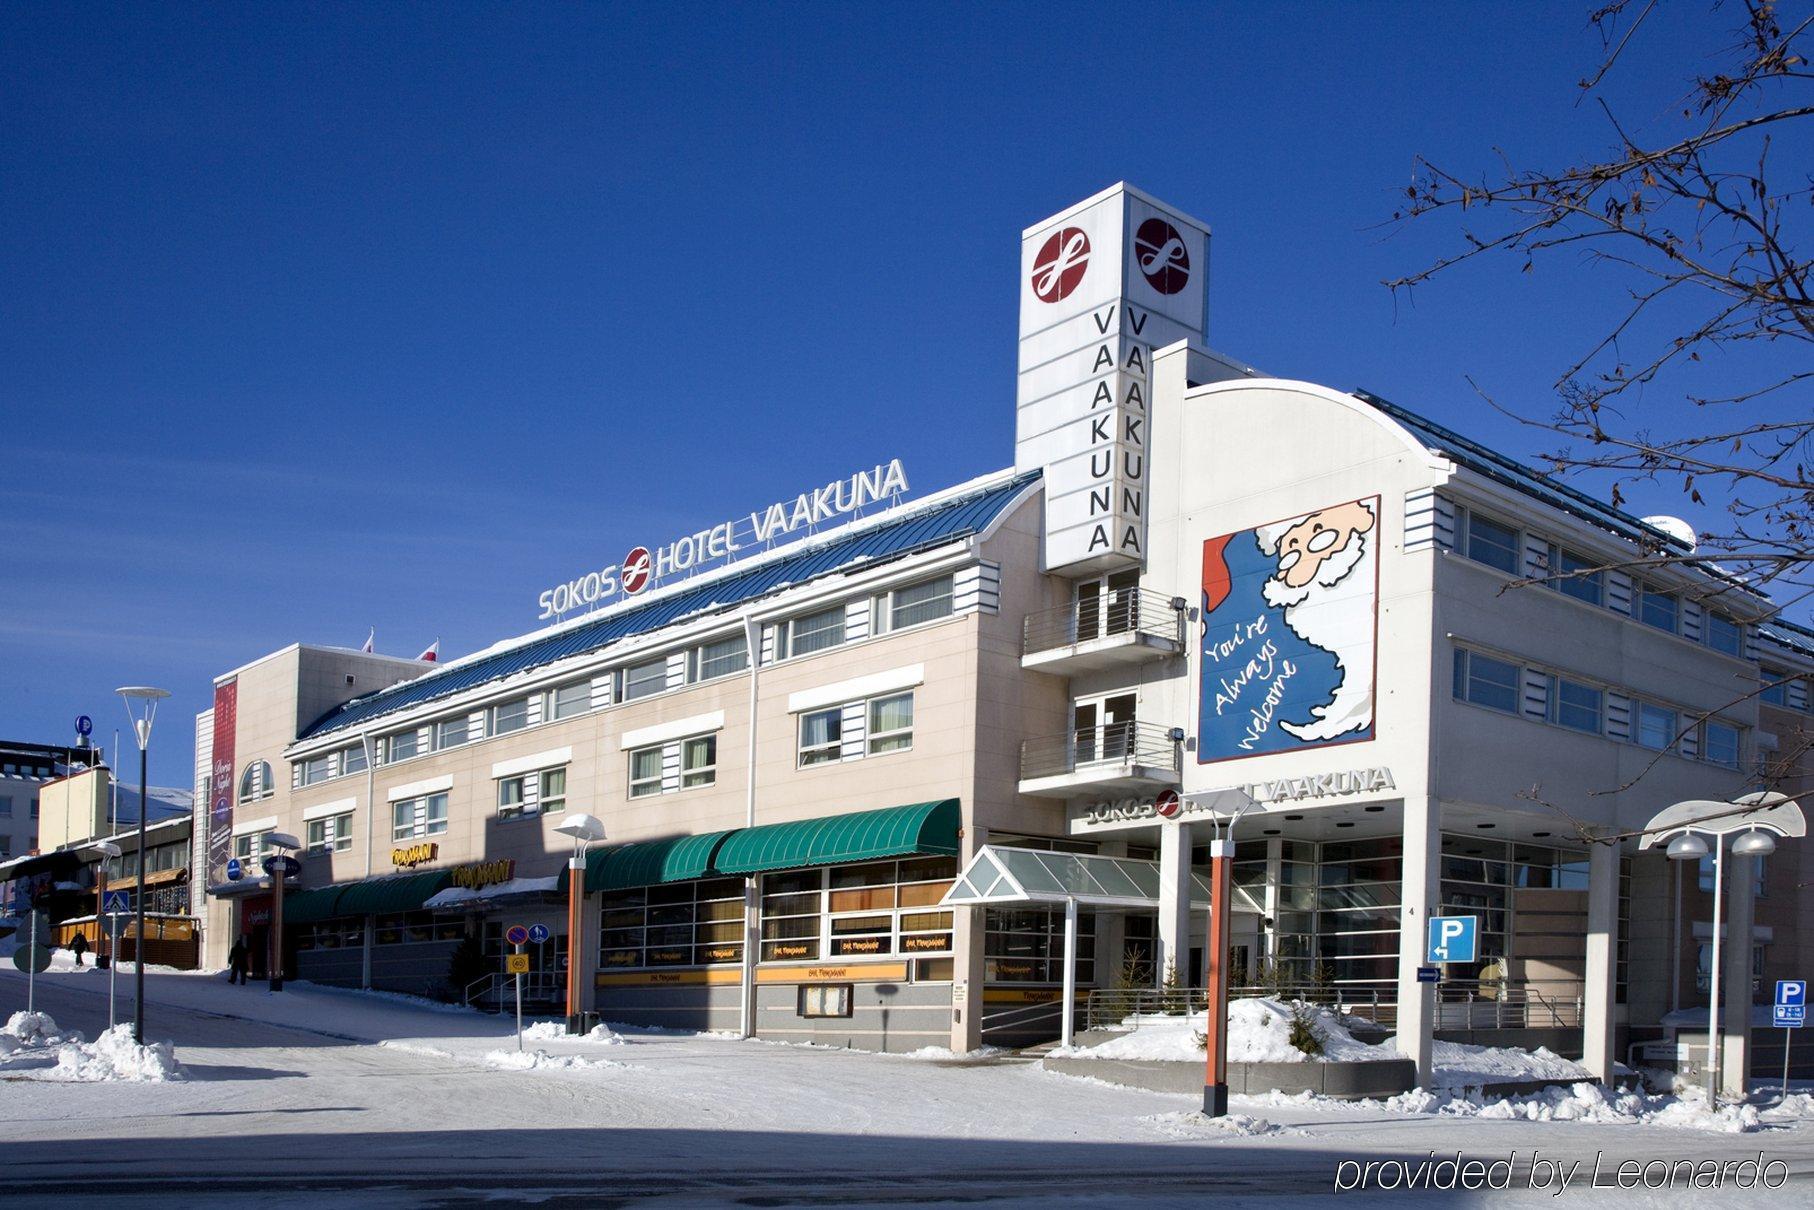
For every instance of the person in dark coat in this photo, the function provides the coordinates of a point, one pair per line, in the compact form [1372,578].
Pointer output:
[79,946]
[236,959]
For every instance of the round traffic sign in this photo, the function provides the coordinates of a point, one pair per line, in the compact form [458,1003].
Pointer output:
[637,565]
[84,725]
[235,871]
[516,934]
[538,933]
[32,958]
[1059,264]
[1168,804]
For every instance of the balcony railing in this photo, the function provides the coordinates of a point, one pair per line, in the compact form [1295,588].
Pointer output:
[1157,618]
[1111,745]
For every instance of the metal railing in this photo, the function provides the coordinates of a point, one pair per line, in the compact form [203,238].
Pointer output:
[1506,1004]
[1109,744]
[496,992]
[1130,611]
[1110,1007]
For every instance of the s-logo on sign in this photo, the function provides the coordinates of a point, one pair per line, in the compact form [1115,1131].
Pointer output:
[1159,251]
[1060,264]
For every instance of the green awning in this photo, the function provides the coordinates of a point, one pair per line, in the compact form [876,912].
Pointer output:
[921,827]
[383,896]
[672,860]
[307,907]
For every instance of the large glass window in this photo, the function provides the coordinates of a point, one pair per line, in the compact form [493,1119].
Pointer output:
[699,762]
[256,782]
[721,658]
[641,680]
[554,791]
[402,746]
[1485,681]
[511,795]
[510,716]
[1491,543]
[821,736]
[1719,744]
[1575,705]
[1656,727]
[1662,610]
[569,700]
[1721,633]
[1775,689]
[1576,576]
[333,834]
[424,816]
[246,845]
[921,603]
[677,924]
[645,771]
[816,631]
[1026,945]
[891,723]
[314,769]
[352,760]
[452,732]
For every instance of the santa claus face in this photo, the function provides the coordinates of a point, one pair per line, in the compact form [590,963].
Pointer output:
[1321,536]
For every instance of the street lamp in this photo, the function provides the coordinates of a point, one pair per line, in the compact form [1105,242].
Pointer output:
[1223,809]
[278,868]
[585,830]
[108,851]
[141,709]
[1761,817]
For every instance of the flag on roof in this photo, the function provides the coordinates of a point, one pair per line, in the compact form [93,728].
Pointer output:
[433,653]
[370,639]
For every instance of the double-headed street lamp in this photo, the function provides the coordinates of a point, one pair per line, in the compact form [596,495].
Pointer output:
[146,699]
[1757,820]
[585,830]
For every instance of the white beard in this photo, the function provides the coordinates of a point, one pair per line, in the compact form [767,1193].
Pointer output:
[1335,612]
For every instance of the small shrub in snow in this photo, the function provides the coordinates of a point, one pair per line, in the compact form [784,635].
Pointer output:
[1302,1031]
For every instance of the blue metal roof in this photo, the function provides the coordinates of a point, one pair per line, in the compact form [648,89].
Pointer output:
[913,532]
[1521,478]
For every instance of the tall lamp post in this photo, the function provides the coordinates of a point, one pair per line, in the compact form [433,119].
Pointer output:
[1757,819]
[141,707]
[585,830]
[278,868]
[1215,945]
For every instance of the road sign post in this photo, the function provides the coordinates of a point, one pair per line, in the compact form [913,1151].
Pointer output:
[113,904]
[517,963]
[1453,939]
[1789,1012]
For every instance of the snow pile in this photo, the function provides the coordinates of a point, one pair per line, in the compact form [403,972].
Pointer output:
[1259,1031]
[1582,1103]
[1459,1065]
[946,1054]
[115,1056]
[1195,1124]
[32,1029]
[541,1060]
[554,1031]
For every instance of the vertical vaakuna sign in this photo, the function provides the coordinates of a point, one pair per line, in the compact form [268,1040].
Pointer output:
[1289,631]
[220,782]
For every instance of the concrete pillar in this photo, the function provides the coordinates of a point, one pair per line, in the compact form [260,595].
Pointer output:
[967,967]
[1735,1011]
[1268,953]
[1598,1053]
[752,952]
[1173,949]
[1420,892]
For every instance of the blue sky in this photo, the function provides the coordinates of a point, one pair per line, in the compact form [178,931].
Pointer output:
[315,319]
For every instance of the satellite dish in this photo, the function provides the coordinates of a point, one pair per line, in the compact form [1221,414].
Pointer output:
[1676,528]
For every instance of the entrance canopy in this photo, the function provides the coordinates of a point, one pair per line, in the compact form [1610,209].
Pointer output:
[999,874]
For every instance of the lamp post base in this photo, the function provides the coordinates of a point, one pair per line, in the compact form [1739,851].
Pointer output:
[576,1024]
[1215,1100]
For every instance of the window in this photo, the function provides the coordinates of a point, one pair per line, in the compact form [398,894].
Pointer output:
[640,680]
[1574,705]
[255,782]
[510,716]
[1659,609]
[402,746]
[699,762]
[451,733]
[674,924]
[1719,744]
[1775,689]
[352,760]
[6,806]
[510,796]
[821,736]
[1574,576]
[645,772]
[34,808]
[891,723]
[1491,543]
[1722,633]
[331,835]
[554,790]
[1657,728]
[712,660]
[1485,681]
[425,816]
[815,631]
[569,700]
[920,603]
[313,770]
[246,846]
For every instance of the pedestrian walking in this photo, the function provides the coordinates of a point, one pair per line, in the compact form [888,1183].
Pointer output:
[79,946]
[236,959]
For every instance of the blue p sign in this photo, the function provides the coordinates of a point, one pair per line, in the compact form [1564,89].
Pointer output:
[1454,938]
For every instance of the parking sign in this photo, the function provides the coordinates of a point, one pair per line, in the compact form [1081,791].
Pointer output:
[1790,1010]
[1454,939]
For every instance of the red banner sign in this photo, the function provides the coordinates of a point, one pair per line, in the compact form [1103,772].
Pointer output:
[220,781]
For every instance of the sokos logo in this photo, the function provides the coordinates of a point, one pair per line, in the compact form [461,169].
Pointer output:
[1060,264]
[636,570]
[1159,251]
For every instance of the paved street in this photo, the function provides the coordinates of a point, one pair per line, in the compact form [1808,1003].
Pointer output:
[428,1119]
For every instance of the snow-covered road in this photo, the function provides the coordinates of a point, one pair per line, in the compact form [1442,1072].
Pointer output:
[286,1095]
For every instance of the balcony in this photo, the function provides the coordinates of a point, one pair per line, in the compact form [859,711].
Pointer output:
[1092,633]
[1115,759]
